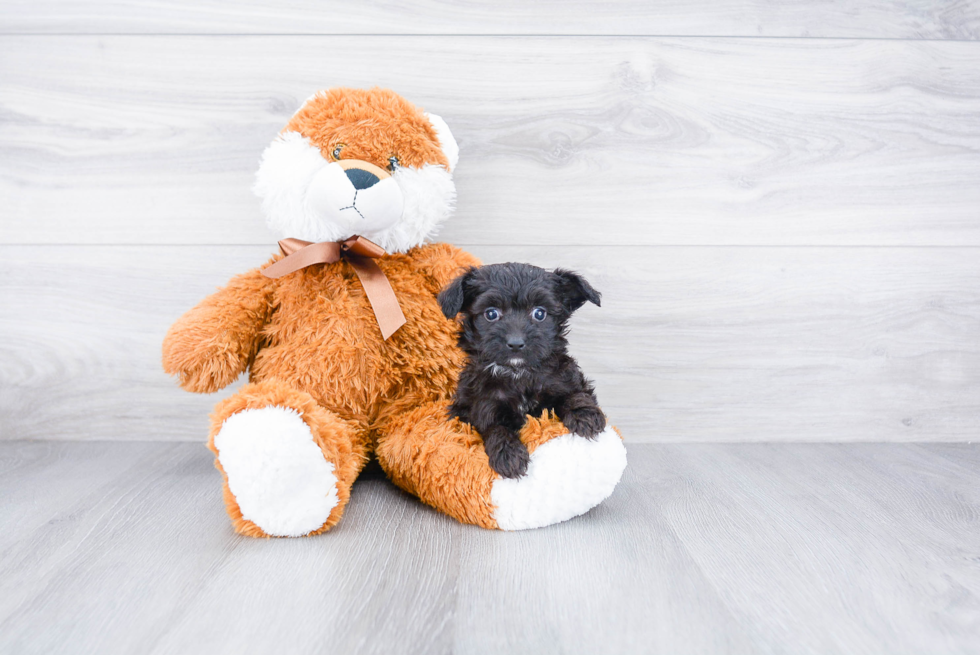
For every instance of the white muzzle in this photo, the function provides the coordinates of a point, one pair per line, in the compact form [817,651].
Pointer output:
[305,196]
[357,196]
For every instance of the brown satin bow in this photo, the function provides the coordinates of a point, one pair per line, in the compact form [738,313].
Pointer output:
[360,253]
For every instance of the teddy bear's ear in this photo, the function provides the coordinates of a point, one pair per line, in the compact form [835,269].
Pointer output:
[453,296]
[321,92]
[446,140]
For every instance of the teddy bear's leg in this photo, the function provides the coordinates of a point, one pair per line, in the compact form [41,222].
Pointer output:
[288,464]
[443,462]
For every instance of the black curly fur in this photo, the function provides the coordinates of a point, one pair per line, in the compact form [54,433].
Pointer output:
[518,365]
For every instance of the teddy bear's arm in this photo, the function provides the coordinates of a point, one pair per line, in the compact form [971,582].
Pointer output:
[443,262]
[213,343]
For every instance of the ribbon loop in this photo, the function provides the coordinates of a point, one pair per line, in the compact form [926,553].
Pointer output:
[360,253]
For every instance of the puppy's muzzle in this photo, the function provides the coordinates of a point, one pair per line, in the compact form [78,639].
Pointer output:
[357,195]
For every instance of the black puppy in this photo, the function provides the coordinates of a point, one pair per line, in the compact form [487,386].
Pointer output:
[514,327]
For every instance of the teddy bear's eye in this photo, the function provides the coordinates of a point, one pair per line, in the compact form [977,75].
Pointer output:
[491,314]
[337,149]
[392,163]
[539,314]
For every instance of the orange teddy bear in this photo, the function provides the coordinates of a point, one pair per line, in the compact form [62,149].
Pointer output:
[347,349]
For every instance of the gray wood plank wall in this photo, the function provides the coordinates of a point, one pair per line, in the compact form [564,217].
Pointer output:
[786,230]
[903,19]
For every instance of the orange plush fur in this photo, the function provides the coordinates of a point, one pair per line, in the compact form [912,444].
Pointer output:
[311,342]
[369,125]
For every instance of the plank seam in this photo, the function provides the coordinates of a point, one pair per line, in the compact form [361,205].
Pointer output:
[492,36]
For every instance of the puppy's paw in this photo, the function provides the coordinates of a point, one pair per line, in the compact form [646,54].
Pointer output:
[585,421]
[508,456]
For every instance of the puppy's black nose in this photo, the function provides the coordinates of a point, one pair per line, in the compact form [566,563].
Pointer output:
[361,179]
[515,343]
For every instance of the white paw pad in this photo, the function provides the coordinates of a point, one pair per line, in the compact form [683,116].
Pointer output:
[566,477]
[278,474]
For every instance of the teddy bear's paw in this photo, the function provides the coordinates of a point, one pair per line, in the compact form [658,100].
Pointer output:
[567,476]
[276,471]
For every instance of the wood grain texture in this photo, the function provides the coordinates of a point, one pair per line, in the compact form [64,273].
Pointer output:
[875,521]
[690,344]
[789,548]
[573,141]
[942,19]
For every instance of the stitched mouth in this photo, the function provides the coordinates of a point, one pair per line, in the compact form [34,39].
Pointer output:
[353,205]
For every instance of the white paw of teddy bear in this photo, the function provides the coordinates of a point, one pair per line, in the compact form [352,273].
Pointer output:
[276,471]
[567,476]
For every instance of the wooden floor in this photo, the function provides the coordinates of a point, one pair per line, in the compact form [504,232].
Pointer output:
[743,548]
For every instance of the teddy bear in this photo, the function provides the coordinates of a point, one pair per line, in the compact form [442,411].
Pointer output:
[348,353]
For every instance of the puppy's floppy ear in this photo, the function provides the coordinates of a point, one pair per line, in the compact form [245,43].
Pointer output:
[574,290]
[453,296]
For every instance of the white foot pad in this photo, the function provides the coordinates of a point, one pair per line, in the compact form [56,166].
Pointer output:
[278,474]
[567,476]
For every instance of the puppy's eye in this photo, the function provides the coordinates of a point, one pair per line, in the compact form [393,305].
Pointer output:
[336,150]
[491,314]
[392,163]
[539,314]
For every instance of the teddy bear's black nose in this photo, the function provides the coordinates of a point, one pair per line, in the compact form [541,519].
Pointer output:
[361,179]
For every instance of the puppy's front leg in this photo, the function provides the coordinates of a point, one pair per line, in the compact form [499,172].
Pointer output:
[499,429]
[581,414]
[508,455]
